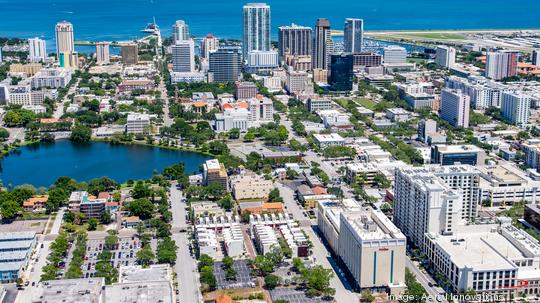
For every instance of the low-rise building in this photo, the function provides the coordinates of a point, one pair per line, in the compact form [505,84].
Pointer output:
[35,203]
[71,291]
[499,260]
[452,154]
[504,185]
[265,238]
[138,123]
[317,104]
[15,251]
[206,208]
[141,84]
[325,140]
[249,185]
[397,114]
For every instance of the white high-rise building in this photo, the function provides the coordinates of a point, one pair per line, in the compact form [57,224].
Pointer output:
[395,55]
[102,53]
[183,56]
[209,44]
[446,56]
[515,108]
[65,43]
[424,203]
[37,50]
[180,31]
[353,35]
[256,28]
[455,108]
[501,64]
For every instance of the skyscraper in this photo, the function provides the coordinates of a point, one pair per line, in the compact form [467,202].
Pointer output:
[102,53]
[322,44]
[294,40]
[209,44]
[64,38]
[445,56]
[341,72]
[183,56]
[180,31]
[37,50]
[130,53]
[256,28]
[502,64]
[455,108]
[225,65]
[515,108]
[535,57]
[353,35]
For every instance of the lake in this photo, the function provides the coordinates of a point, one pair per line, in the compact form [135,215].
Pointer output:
[42,164]
[107,20]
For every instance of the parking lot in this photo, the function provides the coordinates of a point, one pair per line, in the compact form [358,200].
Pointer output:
[291,295]
[124,254]
[243,276]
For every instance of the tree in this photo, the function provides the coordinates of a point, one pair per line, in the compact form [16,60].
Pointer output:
[205,260]
[367,296]
[249,137]
[92,224]
[141,190]
[81,133]
[106,217]
[271,281]
[103,184]
[10,209]
[317,277]
[226,202]
[142,208]
[174,172]
[234,133]
[69,217]
[274,196]
[292,174]
[166,251]
[145,255]
[4,134]
[57,198]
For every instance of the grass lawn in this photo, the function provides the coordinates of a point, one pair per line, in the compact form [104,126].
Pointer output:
[436,36]
[366,103]
[416,60]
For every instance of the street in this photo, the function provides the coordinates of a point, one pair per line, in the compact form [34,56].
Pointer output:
[425,279]
[320,256]
[39,260]
[185,266]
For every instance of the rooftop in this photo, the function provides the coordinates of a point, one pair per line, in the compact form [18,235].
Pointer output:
[457,148]
[72,290]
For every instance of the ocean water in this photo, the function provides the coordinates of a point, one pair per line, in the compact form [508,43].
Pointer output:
[116,20]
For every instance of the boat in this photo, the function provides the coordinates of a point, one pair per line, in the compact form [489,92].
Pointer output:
[151,28]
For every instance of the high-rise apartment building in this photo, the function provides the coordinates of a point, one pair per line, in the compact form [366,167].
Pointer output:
[424,203]
[256,28]
[294,40]
[37,50]
[69,60]
[225,65]
[445,56]
[180,31]
[130,53]
[341,72]
[209,44]
[322,44]
[183,56]
[353,35]
[515,108]
[455,107]
[395,55]
[366,59]
[502,64]
[65,42]
[102,53]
